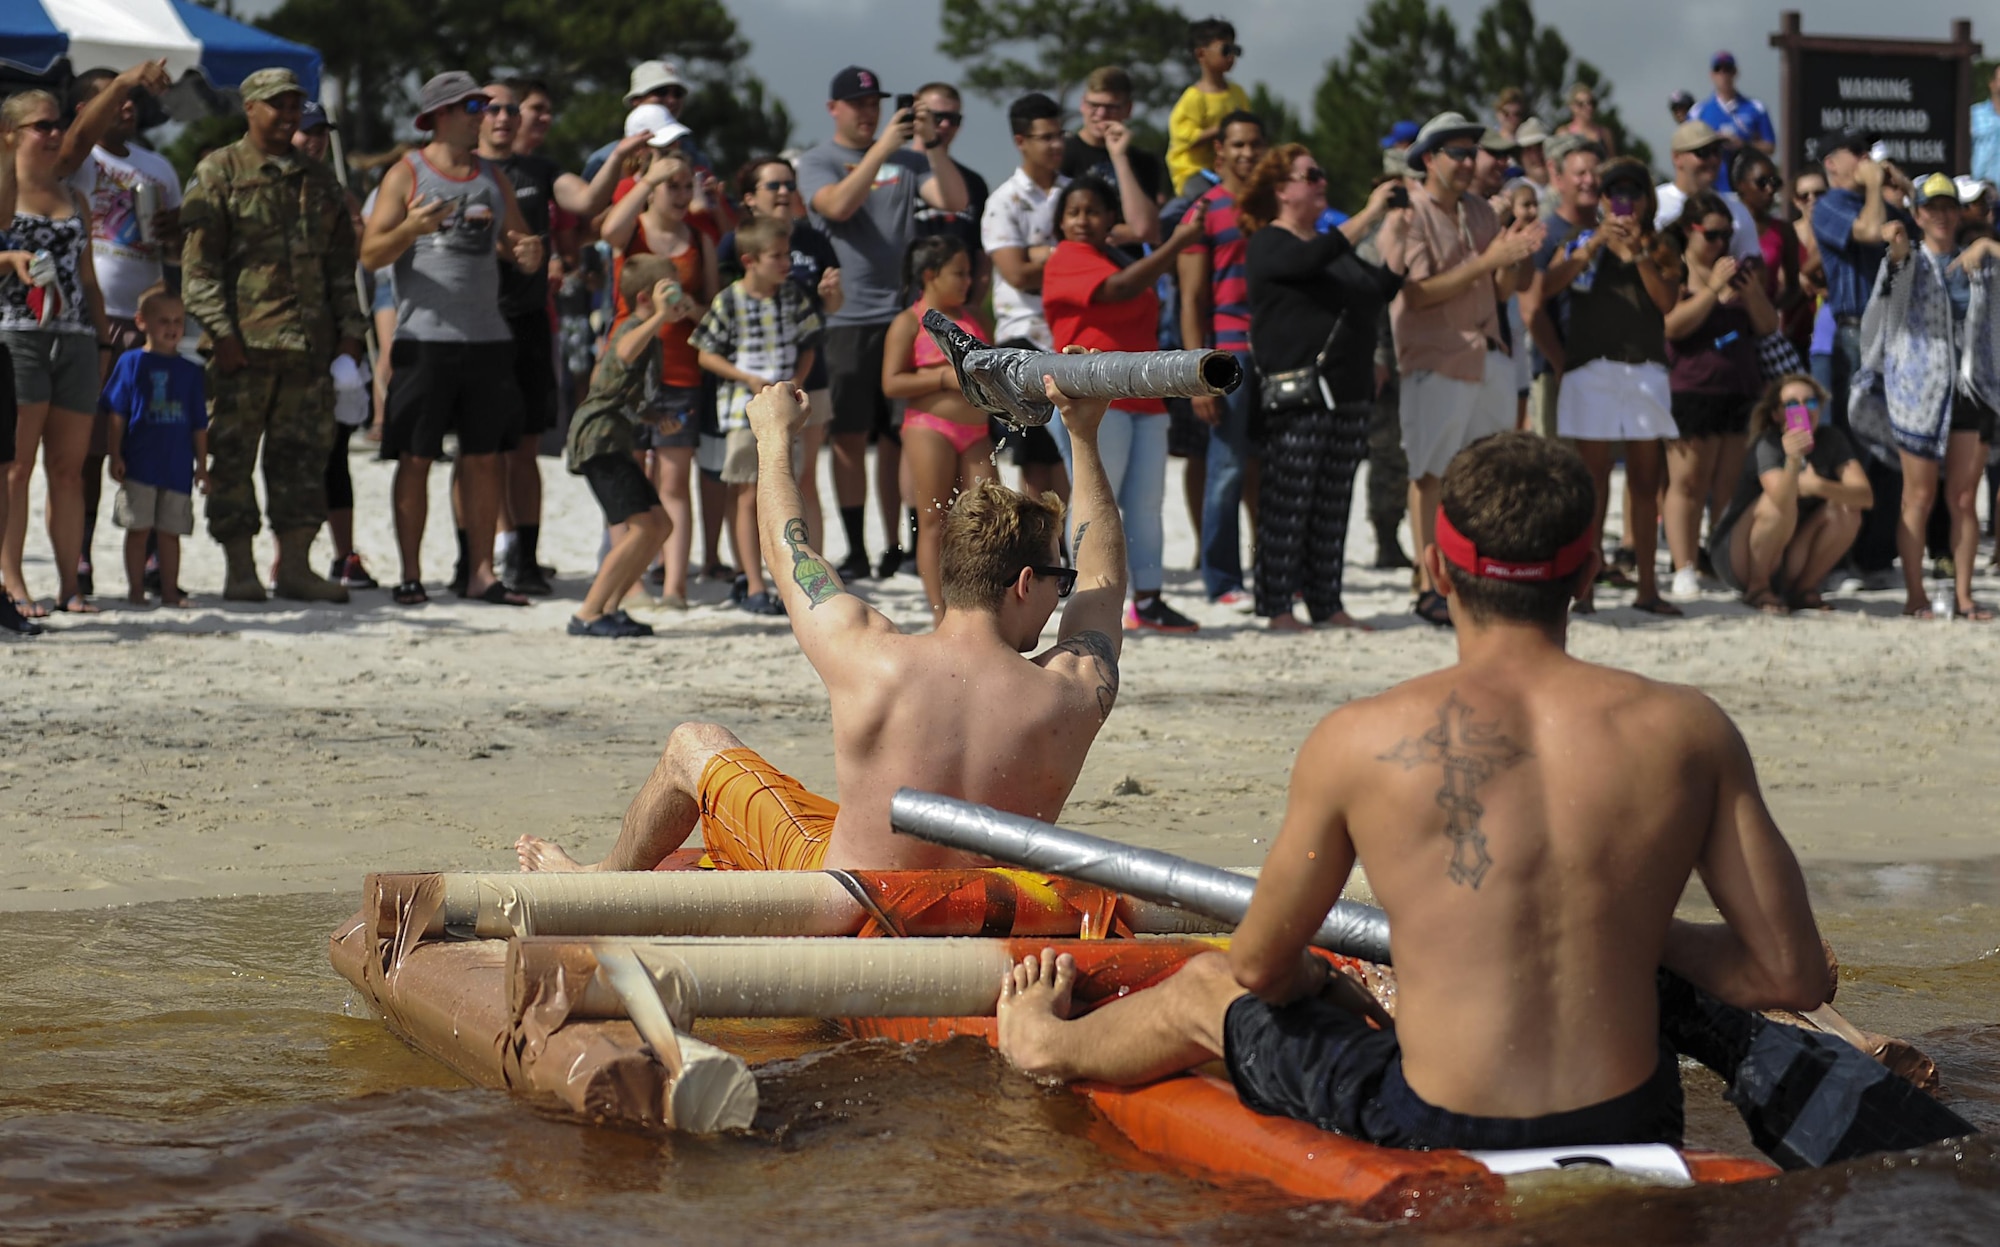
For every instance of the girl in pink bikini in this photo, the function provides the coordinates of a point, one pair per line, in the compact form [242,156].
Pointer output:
[946,447]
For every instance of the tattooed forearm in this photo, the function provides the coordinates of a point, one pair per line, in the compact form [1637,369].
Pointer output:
[1470,754]
[1076,546]
[809,570]
[1097,647]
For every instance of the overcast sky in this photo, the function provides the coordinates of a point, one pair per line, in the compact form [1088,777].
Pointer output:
[1647,49]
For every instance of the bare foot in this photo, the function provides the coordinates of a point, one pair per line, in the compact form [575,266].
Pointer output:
[1034,1004]
[176,598]
[1341,619]
[1286,623]
[137,597]
[537,854]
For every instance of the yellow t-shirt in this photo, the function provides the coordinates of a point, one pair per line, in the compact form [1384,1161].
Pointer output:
[1194,112]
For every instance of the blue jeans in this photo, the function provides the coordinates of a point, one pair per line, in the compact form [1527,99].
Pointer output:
[1846,362]
[1133,450]
[1228,451]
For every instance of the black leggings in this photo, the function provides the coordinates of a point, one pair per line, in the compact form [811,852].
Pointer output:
[1308,482]
[339,482]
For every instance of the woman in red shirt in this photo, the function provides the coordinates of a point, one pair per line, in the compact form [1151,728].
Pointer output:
[1093,297]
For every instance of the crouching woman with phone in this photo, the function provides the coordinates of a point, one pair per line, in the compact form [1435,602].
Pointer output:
[1798,503]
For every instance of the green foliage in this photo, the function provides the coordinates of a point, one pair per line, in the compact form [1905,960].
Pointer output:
[381,50]
[1407,61]
[201,136]
[1011,47]
[1282,123]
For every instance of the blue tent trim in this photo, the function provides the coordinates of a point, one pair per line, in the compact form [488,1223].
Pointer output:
[30,41]
[231,51]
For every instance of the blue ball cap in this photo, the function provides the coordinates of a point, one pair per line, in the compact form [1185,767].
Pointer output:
[313,116]
[1402,134]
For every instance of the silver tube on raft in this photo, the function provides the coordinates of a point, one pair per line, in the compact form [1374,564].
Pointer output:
[1352,929]
[1008,381]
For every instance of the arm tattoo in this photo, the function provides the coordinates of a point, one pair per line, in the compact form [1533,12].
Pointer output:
[1097,647]
[1470,754]
[808,568]
[1076,546]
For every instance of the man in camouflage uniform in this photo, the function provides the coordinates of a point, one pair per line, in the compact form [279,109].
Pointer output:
[268,269]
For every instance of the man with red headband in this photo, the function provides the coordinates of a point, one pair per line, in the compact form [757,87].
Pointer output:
[1529,822]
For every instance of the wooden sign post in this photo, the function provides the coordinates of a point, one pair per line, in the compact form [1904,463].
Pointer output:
[1915,94]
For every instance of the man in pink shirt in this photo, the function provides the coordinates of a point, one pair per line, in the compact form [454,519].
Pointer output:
[1451,347]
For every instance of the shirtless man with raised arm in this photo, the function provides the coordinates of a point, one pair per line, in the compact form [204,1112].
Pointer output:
[959,711]
[1529,822]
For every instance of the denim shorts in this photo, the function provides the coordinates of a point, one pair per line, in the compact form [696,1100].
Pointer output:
[55,368]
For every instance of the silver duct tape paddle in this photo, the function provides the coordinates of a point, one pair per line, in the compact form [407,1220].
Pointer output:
[1007,381]
[1351,929]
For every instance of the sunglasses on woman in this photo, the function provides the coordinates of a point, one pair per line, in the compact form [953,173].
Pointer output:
[1808,196]
[1769,183]
[45,127]
[1720,237]
[777,186]
[1311,177]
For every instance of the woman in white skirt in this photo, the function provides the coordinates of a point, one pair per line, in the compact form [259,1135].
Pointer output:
[1619,286]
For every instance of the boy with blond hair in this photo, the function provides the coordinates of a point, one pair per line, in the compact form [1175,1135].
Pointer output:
[761,331]
[157,444]
[603,448]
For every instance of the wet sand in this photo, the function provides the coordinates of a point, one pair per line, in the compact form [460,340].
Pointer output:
[188,1060]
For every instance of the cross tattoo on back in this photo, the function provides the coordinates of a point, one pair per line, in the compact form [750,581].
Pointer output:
[1470,753]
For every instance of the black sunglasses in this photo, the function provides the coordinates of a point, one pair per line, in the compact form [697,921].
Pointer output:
[1720,237]
[672,93]
[945,117]
[46,126]
[1313,176]
[1460,153]
[511,110]
[777,186]
[1770,182]
[1065,578]
[1232,49]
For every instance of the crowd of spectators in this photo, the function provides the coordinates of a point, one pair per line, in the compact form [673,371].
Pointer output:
[1793,379]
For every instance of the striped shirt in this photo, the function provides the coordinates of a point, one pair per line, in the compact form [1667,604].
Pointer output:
[763,337]
[1228,281]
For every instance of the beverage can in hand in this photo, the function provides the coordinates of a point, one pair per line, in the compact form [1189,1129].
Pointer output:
[146,203]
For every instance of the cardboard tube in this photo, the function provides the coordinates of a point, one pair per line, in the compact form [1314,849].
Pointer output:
[825,978]
[742,903]
[708,1089]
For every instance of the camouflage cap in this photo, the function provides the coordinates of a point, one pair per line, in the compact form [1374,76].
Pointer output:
[268,84]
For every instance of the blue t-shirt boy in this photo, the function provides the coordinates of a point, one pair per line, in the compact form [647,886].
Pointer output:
[160,399]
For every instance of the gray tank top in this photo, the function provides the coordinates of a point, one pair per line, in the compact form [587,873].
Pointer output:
[448,282]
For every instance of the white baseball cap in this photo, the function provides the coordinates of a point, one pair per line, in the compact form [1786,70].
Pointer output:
[655,120]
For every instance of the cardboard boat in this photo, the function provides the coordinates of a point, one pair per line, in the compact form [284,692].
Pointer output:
[652,1027]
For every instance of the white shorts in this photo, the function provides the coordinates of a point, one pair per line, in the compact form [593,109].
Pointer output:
[1606,401]
[1443,415]
[141,507]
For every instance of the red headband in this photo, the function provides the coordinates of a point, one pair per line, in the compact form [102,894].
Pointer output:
[1458,549]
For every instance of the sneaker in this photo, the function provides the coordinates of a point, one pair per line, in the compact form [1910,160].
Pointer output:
[609,626]
[530,582]
[12,620]
[765,603]
[854,568]
[1236,599]
[1687,583]
[892,562]
[1157,616]
[352,573]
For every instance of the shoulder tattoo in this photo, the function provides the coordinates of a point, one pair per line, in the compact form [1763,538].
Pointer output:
[1096,647]
[809,570]
[1470,753]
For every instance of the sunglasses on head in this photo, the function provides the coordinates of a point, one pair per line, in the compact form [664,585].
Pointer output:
[1065,578]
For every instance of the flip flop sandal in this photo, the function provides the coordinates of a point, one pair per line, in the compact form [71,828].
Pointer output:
[1432,608]
[498,594]
[1767,602]
[1616,578]
[1975,613]
[1660,607]
[30,608]
[78,605]
[409,593]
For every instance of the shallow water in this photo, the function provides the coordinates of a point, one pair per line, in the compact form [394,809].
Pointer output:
[196,1073]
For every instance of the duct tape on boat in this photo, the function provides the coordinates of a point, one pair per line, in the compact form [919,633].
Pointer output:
[1654,1162]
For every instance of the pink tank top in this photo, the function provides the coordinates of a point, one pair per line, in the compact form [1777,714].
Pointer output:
[925,352]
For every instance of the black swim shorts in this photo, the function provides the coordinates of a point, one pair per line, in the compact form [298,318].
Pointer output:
[1314,1061]
[619,486]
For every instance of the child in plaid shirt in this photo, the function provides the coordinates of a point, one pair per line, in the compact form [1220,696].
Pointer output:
[760,331]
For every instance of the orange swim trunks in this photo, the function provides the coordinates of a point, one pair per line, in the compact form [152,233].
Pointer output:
[756,817]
